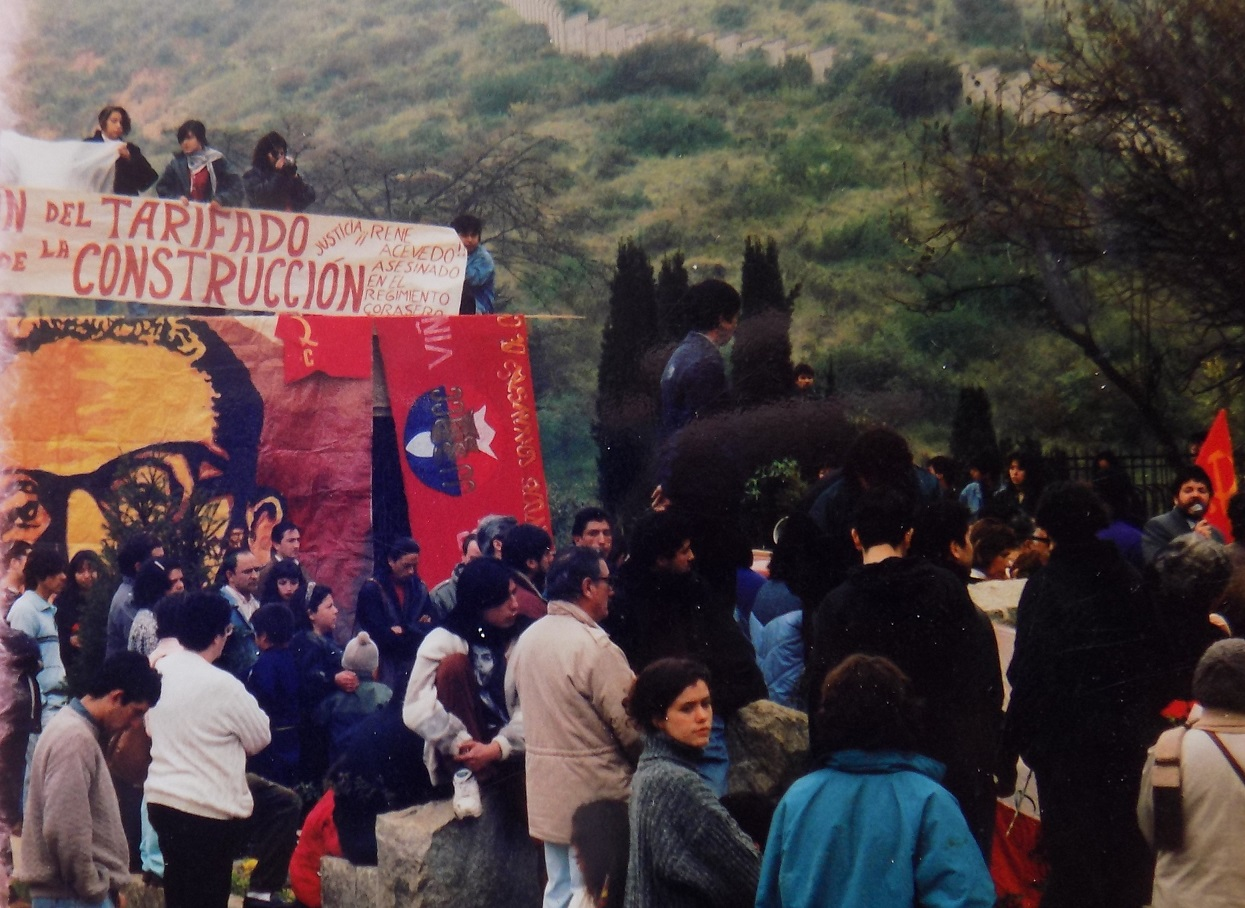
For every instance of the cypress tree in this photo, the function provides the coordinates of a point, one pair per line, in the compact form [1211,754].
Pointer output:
[672,283]
[626,411]
[761,365]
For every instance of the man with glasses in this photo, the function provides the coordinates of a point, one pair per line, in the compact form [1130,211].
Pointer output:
[571,682]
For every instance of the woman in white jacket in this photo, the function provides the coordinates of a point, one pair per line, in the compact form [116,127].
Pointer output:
[202,730]
[456,699]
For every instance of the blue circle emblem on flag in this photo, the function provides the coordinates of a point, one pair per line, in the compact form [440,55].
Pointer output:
[447,442]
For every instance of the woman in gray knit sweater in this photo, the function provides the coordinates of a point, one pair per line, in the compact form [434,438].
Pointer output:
[686,850]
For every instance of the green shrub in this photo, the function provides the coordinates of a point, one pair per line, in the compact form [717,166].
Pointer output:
[669,64]
[546,80]
[660,128]
[795,72]
[993,22]
[867,238]
[732,17]
[750,76]
[816,166]
[918,86]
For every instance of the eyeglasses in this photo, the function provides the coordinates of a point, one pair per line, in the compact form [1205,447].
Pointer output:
[1045,540]
[608,581]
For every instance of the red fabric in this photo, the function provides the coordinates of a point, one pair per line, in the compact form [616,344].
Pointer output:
[200,185]
[316,452]
[1017,871]
[318,838]
[458,692]
[1215,457]
[460,388]
[338,347]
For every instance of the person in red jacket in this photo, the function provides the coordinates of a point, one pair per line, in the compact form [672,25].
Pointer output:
[318,838]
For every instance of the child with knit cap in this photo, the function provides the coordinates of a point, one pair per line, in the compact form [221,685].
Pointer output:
[340,712]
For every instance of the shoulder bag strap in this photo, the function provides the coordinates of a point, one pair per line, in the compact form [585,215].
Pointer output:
[1228,754]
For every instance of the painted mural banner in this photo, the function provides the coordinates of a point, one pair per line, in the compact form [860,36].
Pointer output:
[167,252]
[464,408]
[202,406]
[261,419]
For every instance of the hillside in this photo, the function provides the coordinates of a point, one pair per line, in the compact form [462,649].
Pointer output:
[667,144]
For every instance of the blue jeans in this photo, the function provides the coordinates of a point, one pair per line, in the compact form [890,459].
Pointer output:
[564,875]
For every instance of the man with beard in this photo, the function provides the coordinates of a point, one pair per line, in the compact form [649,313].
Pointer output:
[1191,491]
[528,551]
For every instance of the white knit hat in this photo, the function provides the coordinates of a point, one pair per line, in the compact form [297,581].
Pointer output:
[361,656]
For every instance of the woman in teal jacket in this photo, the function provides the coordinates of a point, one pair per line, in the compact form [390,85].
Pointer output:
[872,828]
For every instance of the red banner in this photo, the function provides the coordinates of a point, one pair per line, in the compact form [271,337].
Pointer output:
[338,347]
[461,392]
[1215,457]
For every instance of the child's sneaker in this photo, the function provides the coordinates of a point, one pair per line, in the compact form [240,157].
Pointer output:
[466,795]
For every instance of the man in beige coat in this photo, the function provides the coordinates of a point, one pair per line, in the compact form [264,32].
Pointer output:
[571,681]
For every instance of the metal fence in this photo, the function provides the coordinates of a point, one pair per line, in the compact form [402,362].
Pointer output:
[1152,474]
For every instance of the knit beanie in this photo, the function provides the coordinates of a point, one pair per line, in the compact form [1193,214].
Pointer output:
[1219,680]
[361,656]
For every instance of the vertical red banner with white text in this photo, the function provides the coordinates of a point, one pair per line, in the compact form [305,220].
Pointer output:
[460,388]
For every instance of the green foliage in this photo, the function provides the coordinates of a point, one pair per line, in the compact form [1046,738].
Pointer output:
[672,284]
[626,396]
[675,65]
[865,238]
[732,17]
[770,494]
[661,128]
[816,166]
[922,85]
[761,367]
[996,22]
[545,79]
[575,7]
[795,72]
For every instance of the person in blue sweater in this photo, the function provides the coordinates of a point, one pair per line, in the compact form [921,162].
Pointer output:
[274,682]
[479,294]
[871,828]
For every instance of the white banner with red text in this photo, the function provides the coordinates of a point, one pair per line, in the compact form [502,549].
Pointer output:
[173,253]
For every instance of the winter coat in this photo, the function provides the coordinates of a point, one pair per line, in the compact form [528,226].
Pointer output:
[131,176]
[921,618]
[777,630]
[19,714]
[872,829]
[686,850]
[274,684]
[1209,871]
[378,611]
[670,614]
[1086,670]
[424,714]
[277,190]
[581,746]
[226,185]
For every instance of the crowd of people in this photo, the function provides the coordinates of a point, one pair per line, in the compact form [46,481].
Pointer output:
[599,680]
[602,676]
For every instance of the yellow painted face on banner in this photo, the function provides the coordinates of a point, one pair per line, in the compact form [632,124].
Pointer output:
[88,401]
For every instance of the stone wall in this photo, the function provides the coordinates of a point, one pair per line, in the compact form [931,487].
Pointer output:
[580,36]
